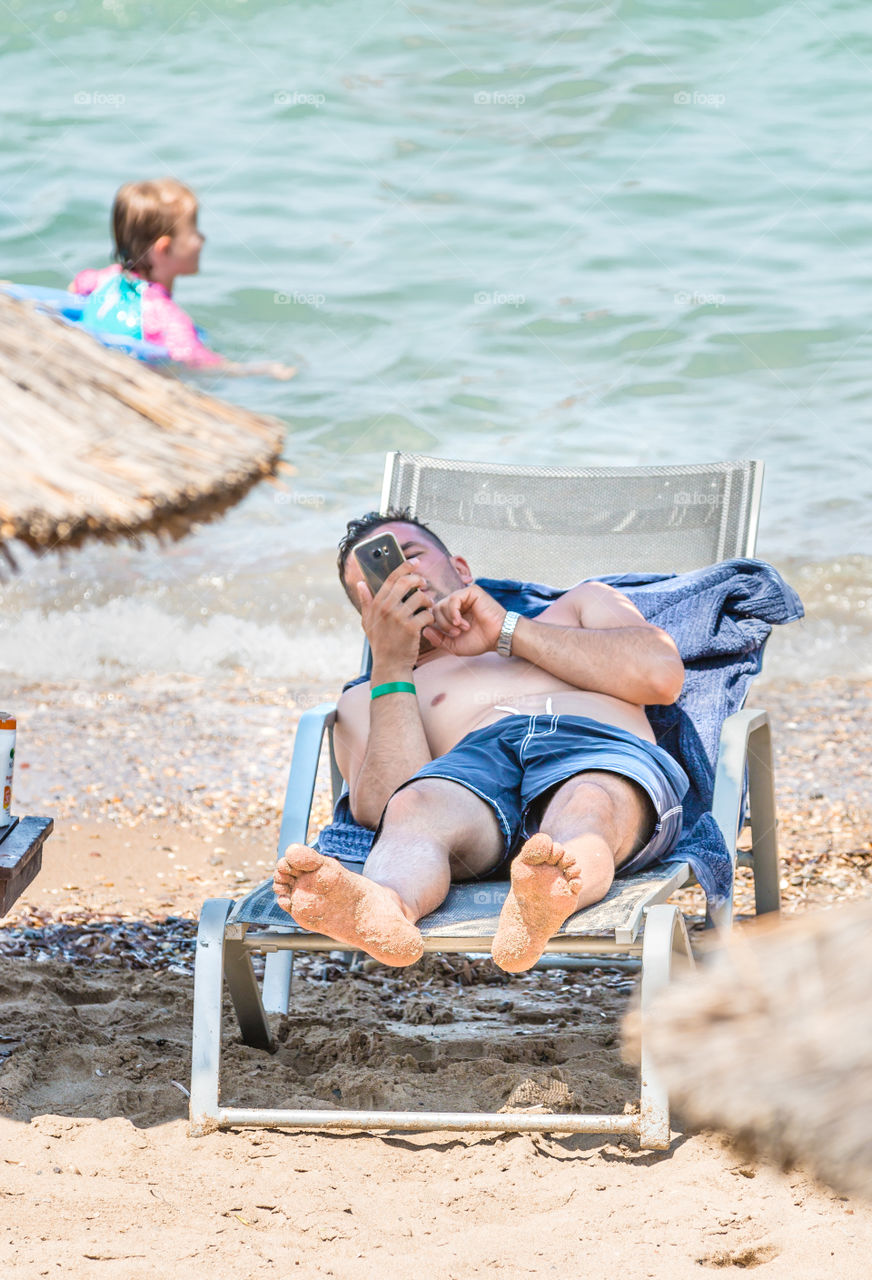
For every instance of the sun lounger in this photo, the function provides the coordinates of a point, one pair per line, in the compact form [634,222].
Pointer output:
[557,525]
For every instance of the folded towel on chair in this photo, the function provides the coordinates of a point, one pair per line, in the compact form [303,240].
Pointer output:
[720,618]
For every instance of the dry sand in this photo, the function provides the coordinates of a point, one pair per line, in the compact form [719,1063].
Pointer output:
[166,794]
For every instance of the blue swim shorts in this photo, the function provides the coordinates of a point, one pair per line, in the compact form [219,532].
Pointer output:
[512,763]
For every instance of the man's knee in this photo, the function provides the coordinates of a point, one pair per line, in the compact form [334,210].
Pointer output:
[615,806]
[411,803]
[585,797]
[451,816]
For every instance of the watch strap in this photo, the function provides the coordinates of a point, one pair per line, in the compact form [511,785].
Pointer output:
[504,640]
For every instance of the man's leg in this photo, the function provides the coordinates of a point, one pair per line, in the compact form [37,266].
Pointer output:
[433,831]
[591,824]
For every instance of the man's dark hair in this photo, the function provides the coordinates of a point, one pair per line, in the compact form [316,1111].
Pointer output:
[359,529]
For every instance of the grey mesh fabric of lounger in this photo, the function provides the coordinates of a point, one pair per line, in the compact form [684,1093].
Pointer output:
[555,525]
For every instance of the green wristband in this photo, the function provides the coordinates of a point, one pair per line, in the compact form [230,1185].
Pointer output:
[394,686]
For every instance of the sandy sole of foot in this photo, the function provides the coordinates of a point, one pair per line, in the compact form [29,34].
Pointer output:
[541,898]
[325,897]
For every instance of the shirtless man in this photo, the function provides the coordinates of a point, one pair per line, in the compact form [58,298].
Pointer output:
[546,754]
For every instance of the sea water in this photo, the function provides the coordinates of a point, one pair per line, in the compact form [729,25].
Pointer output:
[568,233]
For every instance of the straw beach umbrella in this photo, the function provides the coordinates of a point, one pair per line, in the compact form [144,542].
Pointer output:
[772,1041]
[94,444]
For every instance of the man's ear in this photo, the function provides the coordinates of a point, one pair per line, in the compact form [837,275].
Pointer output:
[463,569]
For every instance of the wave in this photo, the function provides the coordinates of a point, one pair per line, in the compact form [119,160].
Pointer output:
[314,639]
[128,638]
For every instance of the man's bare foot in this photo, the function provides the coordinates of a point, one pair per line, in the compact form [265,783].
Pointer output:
[544,893]
[322,896]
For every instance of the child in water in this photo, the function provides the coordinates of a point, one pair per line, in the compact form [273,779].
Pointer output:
[154,225]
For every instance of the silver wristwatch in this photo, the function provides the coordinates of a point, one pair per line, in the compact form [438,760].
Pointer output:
[504,640]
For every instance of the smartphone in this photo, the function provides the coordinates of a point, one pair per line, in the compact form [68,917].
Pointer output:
[378,557]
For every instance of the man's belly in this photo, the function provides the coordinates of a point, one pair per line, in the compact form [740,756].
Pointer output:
[458,695]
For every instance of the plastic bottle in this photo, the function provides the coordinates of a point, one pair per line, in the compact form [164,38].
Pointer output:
[7,760]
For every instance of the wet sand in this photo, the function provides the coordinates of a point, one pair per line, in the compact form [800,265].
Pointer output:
[168,793]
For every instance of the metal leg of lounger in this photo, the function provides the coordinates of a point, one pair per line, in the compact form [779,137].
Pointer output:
[208,990]
[302,775]
[719,915]
[278,971]
[738,732]
[246,997]
[665,936]
[764,833]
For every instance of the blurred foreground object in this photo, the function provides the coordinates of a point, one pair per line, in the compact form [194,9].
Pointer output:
[772,1042]
[97,445]
[21,840]
[20,857]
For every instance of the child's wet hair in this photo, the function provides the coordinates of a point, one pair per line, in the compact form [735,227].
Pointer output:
[142,213]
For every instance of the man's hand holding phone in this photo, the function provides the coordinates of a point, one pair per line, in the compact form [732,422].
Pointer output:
[393,620]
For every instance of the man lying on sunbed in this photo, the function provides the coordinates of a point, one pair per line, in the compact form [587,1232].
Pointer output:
[511,743]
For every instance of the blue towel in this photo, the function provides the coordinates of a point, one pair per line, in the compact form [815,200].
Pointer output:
[720,618]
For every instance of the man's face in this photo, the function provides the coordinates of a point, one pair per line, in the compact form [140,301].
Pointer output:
[443,573]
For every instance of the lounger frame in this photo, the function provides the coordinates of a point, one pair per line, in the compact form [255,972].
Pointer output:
[654,932]
[646,927]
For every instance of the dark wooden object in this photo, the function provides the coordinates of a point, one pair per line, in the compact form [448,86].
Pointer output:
[20,856]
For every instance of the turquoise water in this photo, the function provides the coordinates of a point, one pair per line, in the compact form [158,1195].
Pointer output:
[599,233]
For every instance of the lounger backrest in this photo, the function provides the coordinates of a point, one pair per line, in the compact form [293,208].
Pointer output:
[556,525]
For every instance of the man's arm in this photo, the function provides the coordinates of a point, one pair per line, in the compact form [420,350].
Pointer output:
[606,647]
[380,743]
[593,638]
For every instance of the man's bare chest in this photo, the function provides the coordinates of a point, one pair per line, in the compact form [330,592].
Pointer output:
[455,695]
